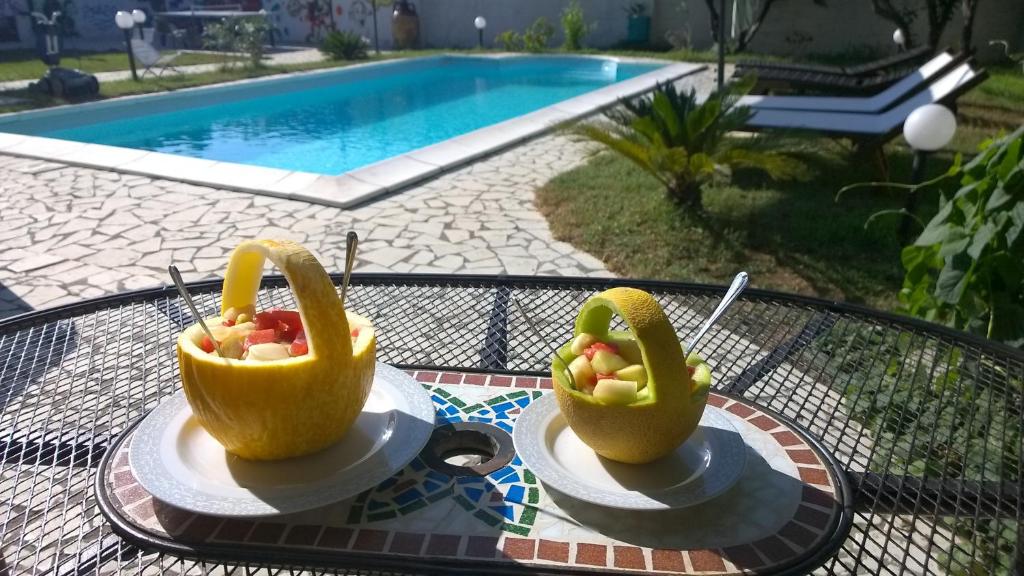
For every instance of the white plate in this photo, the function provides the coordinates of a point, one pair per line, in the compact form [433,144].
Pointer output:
[178,462]
[708,463]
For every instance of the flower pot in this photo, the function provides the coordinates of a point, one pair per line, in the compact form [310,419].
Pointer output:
[405,25]
[639,31]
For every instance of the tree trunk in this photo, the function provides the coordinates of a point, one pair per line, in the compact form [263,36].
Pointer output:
[747,34]
[970,10]
[940,12]
[687,195]
[713,14]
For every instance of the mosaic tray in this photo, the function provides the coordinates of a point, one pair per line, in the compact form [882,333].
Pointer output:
[507,521]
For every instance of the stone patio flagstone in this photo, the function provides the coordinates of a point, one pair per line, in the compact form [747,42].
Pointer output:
[68,233]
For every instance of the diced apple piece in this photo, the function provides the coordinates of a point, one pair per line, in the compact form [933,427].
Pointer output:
[607,362]
[634,373]
[232,346]
[581,342]
[630,351]
[692,359]
[615,391]
[268,352]
[244,327]
[702,376]
[220,332]
[582,373]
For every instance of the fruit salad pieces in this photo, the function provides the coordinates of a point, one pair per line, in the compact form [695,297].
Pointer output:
[275,334]
[614,373]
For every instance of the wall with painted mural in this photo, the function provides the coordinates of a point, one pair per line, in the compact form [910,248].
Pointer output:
[306,21]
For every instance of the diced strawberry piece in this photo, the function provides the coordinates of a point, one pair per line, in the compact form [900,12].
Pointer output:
[207,345]
[593,348]
[691,369]
[299,347]
[286,322]
[259,337]
[229,323]
[355,332]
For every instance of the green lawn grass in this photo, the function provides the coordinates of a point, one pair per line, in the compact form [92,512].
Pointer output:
[26,65]
[791,236]
[172,82]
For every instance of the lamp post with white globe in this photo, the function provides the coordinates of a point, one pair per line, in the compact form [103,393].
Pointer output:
[900,39]
[126,22]
[480,22]
[927,129]
[139,17]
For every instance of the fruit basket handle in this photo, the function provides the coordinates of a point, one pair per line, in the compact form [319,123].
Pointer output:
[323,315]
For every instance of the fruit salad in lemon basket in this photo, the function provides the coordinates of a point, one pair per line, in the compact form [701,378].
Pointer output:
[631,395]
[278,383]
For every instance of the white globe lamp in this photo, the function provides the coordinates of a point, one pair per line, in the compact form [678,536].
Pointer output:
[124,20]
[480,22]
[929,128]
[138,16]
[899,38]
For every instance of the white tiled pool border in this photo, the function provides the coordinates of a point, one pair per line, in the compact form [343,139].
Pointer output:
[354,187]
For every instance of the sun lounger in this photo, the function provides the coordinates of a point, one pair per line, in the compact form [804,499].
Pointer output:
[867,127]
[898,61]
[151,59]
[884,100]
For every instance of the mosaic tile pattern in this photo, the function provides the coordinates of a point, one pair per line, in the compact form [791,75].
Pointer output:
[506,517]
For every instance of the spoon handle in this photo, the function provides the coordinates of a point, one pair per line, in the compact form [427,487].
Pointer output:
[739,283]
[180,285]
[351,242]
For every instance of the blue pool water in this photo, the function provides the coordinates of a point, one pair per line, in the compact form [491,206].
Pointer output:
[340,121]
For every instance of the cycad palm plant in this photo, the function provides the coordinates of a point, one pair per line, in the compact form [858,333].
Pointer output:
[683,142]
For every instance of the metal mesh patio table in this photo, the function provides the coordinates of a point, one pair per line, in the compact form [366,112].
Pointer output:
[924,422]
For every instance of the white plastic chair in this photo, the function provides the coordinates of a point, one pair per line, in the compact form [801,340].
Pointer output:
[151,58]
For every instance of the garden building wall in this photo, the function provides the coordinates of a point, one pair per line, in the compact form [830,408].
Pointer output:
[793,27]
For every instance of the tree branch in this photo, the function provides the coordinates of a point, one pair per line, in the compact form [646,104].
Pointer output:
[970,10]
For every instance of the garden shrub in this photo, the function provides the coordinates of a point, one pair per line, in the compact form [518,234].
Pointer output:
[537,35]
[245,34]
[574,27]
[343,45]
[966,269]
[510,40]
[682,141]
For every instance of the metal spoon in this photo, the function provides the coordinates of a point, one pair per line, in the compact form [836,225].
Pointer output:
[536,330]
[739,283]
[180,285]
[351,242]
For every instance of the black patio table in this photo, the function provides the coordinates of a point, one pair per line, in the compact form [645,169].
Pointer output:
[924,422]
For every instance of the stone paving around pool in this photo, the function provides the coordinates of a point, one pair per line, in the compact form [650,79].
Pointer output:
[68,233]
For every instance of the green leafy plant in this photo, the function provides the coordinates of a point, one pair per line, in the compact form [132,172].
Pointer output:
[537,36]
[574,26]
[510,40]
[966,269]
[239,34]
[913,385]
[343,45]
[682,142]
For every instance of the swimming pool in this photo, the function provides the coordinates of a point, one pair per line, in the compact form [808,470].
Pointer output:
[346,120]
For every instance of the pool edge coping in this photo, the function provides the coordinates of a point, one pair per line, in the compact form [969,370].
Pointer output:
[355,187]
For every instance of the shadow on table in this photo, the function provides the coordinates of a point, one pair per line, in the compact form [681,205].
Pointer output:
[755,508]
[26,356]
[11,304]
